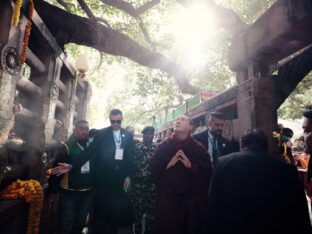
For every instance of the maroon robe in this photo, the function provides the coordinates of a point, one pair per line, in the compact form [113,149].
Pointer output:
[181,193]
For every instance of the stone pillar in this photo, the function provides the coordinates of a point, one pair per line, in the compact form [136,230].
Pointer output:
[84,96]
[86,100]
[51,94]
[257,107]
[69,117]
[10,46]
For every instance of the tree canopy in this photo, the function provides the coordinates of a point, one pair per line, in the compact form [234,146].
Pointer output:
[147,56]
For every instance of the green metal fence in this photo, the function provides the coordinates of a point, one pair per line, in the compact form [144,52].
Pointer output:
[182,109]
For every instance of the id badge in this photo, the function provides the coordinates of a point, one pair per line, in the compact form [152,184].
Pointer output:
[85,168]
[119,154]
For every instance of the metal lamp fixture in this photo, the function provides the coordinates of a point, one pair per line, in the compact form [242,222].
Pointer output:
[82,66]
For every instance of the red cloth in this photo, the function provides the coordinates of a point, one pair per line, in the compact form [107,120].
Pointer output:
[181,193]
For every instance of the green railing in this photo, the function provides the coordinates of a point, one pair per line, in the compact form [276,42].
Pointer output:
[182,109]
[193,101]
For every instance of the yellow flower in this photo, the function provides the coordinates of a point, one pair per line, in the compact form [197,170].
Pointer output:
[16,13]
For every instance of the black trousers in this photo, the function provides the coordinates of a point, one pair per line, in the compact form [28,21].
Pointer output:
[112,211]
[73,210]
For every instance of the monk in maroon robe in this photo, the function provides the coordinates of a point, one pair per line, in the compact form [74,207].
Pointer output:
[181,168]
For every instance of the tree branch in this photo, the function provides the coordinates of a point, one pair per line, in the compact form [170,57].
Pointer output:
[110,41]
[146,35]
[129,9]
[99,65]
[89,13]
[147,6]
[86,9]
[66,5]
[135,13]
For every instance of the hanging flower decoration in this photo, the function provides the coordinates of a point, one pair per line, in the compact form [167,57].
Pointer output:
[32,192]
[16,12]
[27,31]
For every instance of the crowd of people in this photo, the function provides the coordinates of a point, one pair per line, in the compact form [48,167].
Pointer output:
[185,184]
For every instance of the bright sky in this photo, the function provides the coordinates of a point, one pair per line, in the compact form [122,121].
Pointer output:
[192,28]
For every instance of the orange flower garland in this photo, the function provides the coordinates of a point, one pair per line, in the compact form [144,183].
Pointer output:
[16,13]
[27,31]
[32,192]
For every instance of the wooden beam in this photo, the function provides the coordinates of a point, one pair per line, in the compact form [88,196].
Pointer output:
[27,87]
[26,116]
[292,56]
[43,29]
[60,105]
[68,65]
[34,62]
[62,86]
[290,75]
[279,32]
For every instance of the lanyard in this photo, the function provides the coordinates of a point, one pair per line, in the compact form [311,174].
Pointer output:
[80,146]
[117,139]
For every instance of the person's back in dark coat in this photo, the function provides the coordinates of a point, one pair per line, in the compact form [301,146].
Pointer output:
[252,192]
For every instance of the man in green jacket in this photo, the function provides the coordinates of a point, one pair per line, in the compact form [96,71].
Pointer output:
[74,187]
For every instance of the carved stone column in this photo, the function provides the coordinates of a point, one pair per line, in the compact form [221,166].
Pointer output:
[257,106]
[50,97]
[10,43]
[84,95]
[69,117]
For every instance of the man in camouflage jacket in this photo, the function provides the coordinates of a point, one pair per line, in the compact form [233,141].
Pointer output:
[143,195]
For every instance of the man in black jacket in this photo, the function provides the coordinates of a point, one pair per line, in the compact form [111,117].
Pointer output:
[252,192]
[74,187]
[112,148]
[213,140]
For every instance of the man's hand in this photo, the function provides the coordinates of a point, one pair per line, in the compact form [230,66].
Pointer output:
[127,184]
[186,162]
[174,159]
[61,169]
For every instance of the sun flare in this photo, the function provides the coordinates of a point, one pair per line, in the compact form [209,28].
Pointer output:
[192,29]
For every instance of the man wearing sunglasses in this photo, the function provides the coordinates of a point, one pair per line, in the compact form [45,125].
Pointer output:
[112,149]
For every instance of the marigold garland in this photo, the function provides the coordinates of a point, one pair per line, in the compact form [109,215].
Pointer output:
[17,12]
[27,31]
[32,192]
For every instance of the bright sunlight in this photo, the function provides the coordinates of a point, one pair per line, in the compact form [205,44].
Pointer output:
[192,28]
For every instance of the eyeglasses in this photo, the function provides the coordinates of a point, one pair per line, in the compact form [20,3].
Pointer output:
[115,121]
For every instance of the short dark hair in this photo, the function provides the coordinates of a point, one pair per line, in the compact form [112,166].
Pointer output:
[216,115]
[81,121]
[115,112]
[149,129]
[255,137]
[308,112]
[287,132]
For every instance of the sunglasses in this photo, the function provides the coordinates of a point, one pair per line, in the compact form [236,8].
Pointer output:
[115,121]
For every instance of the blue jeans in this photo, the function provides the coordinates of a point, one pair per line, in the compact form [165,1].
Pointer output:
[73,210]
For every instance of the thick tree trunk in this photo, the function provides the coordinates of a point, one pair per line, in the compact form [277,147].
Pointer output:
[83,31]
